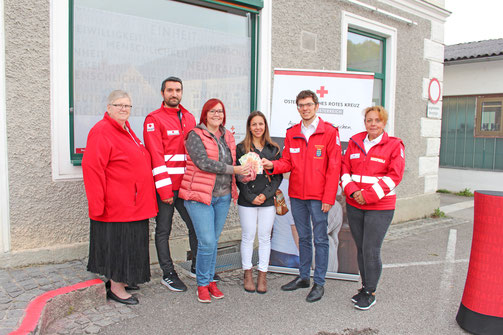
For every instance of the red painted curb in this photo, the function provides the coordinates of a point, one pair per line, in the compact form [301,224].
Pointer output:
[36,306]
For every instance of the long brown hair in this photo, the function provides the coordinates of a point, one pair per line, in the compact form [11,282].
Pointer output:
[266,138]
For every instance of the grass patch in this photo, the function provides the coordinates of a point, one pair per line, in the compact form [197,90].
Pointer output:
[465,193]
[443,191]
[438,214]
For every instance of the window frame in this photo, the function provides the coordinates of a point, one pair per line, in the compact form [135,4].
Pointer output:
[350,20]
[478,117]
[377,75]
[249,7]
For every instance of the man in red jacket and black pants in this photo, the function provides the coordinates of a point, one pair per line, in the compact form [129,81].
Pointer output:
[164,133]
[312,153]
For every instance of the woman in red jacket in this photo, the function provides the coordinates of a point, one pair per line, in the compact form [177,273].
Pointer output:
[121,196]
[372,167]
[207,187]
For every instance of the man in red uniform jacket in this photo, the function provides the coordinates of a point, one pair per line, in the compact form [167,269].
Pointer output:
[312,153]
[164,133]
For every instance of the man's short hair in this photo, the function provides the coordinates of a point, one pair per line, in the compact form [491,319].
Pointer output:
[307,94]
[175,79]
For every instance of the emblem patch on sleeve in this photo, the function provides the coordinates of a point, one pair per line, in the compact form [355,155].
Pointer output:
[150,127]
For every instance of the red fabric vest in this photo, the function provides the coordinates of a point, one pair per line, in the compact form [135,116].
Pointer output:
[197,184]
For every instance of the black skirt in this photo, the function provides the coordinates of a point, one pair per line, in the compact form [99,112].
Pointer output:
[120,251]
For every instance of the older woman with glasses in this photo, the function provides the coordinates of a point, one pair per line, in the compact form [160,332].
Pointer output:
[207,187]
[121,196]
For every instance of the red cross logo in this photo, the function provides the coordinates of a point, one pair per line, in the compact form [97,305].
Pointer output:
[322,91]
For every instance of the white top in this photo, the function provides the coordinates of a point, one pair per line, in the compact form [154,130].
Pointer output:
[309,130]
[369,144]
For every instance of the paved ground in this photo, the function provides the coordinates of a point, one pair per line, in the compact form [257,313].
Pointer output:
[420,291]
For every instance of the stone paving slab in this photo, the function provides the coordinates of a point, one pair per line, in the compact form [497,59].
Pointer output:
[19,286]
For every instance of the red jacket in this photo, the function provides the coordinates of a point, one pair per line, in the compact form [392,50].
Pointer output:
[197,184]
[117,174]
[164,135]
[315,165]
[375,173]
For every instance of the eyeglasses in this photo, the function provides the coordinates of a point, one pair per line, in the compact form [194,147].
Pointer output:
[216,111]
[309,104]
[122,106]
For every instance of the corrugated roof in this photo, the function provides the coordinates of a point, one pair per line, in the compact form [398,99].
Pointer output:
[472,50]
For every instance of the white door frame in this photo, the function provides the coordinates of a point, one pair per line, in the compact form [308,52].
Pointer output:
[4,170]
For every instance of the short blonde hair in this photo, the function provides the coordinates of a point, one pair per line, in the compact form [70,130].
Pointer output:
[383,114]
[117,94]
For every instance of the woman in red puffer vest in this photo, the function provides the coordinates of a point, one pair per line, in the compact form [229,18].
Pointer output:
[207,187]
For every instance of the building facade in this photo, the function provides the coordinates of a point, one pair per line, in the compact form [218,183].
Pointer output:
[471,154]
[60,59]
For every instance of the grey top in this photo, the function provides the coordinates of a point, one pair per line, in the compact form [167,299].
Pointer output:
[223,168]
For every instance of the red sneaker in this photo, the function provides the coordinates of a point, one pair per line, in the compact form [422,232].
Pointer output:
[203,295]
[214,291]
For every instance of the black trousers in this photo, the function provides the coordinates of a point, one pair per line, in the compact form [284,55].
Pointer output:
[164,222]
[368,228]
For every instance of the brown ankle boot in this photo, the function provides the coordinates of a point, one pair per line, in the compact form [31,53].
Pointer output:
[262,282]
[248,283]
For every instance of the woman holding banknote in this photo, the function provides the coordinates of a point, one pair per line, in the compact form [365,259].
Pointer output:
[256,199]
[207,187]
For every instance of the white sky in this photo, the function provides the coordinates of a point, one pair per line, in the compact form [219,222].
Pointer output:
[473,20]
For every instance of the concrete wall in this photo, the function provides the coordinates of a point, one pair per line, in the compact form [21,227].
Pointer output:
[48,219]
[419,55]
[456,180]
[42,213]
[473,78]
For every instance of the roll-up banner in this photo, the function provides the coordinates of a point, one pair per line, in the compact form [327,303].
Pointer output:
[342,98]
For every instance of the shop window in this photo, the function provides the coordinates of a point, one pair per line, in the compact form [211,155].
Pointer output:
[489,118]
[133,46]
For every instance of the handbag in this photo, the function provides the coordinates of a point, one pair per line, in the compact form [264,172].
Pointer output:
[279,201]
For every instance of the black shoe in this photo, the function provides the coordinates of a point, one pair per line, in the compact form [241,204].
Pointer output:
[132,300]
[316,293]
[357,296]
[295,284]
[132,288]
[216,278]
[367,300]
[174,283]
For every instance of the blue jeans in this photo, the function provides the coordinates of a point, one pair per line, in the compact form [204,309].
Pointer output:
[208,222]
[305,211]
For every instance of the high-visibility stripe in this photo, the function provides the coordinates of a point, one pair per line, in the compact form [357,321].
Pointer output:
[176,170]
[175,158]
[379,191]
[163,182]
[356,178]
[346,179]
[391,193]
[369,180]
[159,169]
[389,182]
